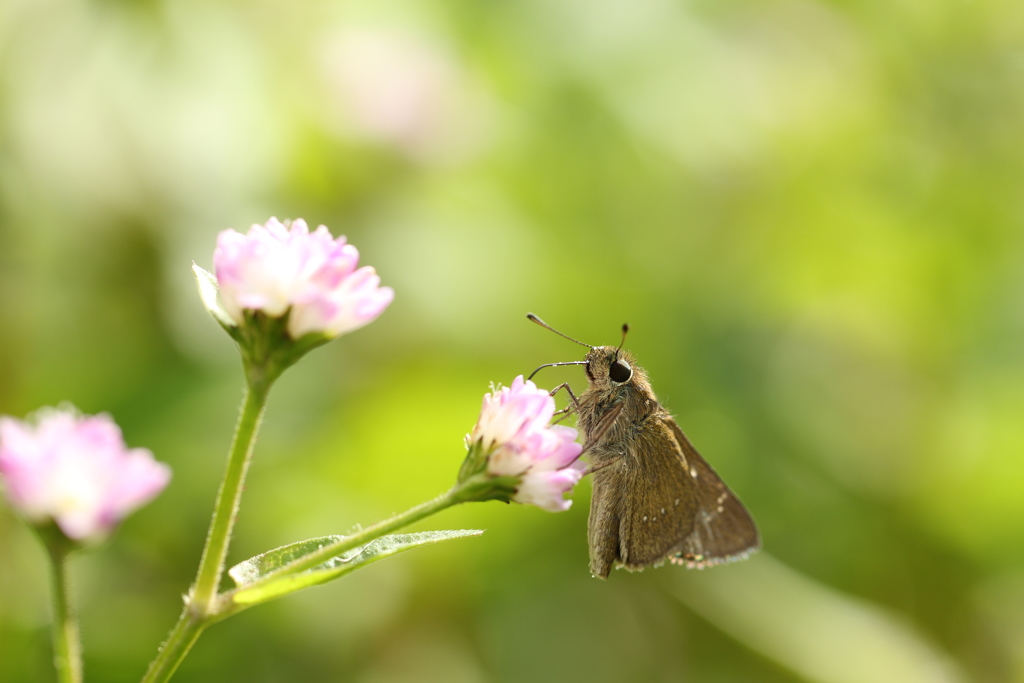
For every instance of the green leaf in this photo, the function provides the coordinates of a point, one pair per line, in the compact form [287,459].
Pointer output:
[261,566]
[208,291]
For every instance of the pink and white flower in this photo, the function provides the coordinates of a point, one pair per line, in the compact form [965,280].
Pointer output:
[276,269]
[75,470]
[514,429]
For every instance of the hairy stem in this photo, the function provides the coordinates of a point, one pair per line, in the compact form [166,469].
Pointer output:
[200,605]
[181,639]
[211,566]
[67,647]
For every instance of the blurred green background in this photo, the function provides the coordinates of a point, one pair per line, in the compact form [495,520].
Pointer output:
[810,212]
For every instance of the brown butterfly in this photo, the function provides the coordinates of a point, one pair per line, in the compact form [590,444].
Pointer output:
[654,497]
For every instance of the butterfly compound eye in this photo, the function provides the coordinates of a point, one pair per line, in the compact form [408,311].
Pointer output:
[619,371]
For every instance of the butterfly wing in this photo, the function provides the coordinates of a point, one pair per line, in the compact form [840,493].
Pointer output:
[605,516]
[659,513]
[659,499]
[722,529]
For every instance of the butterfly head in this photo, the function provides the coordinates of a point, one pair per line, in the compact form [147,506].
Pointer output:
[608,367]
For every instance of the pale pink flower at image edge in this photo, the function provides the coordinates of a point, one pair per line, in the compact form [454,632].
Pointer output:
[514,421]
[274,268]
[76,470]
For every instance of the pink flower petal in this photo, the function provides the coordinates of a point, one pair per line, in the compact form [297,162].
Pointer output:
[514,428]
[275,269]
[75,470]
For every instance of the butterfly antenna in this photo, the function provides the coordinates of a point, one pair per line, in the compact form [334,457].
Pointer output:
[551,365]
[625,329]
[540,322]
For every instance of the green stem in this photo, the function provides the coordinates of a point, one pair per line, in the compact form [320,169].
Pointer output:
[181,639]
[67,648]
[211,566]
[410,516]
[202,599]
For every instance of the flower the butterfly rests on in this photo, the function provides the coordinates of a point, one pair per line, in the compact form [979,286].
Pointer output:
[514,444]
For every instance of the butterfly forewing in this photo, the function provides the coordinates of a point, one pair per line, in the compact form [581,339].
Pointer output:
[722,530]
[662,511]
[603,531]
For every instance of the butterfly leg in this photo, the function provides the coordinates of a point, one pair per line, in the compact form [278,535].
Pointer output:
[569,409]
[602,428]
[597,468]
[603,525]
[572,397]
